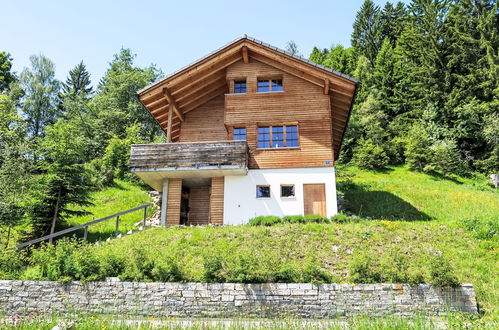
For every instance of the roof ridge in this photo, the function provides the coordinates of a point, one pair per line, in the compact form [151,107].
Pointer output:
[245,36]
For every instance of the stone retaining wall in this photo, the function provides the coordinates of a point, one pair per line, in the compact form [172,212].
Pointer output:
[229,299]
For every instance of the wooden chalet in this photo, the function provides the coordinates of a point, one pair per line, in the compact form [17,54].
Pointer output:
[251,130]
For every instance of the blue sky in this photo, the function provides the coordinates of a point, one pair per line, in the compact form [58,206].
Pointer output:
[170,34]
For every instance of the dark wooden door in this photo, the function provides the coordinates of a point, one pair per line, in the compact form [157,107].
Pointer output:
[199,206]
[314,198]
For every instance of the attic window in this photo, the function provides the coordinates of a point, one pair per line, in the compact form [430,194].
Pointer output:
[269,85]
[239,86]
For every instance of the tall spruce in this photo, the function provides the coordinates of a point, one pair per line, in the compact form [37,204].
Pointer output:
[367,35]
[78,82]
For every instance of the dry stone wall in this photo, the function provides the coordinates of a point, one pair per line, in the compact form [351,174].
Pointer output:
[232,300]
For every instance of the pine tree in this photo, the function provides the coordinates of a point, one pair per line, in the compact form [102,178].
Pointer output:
[78,82]
[393,19]
[318,56]
[366,35]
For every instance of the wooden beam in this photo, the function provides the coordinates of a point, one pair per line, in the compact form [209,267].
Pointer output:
[169,129]
[208,91]
[326,86]
[205,98]
[173,104]
[193,93]
[245,55]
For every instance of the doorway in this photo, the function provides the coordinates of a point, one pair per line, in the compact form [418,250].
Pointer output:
[314,199]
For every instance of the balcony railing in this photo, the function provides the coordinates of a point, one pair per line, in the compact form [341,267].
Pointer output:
[189,155]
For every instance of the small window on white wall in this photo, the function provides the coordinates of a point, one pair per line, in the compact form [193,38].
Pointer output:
[288,190]
[262,191]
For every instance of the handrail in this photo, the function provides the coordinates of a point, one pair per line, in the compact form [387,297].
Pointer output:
[86,225]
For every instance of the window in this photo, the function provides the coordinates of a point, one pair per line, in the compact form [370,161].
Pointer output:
[287,190]
[292,136]
[269,85]
[285,136]
[239,133]
[239,86]
[262,191]
[263,137]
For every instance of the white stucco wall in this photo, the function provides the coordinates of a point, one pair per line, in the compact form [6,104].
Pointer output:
[241,204]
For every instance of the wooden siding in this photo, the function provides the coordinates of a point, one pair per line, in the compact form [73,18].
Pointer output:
[173,98]
[217,201]
[161,155]
[300,102]
[205,123]
[199,206]
[173,203]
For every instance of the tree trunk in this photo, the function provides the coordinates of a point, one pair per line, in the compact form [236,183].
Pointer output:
[54,219]
[8,238]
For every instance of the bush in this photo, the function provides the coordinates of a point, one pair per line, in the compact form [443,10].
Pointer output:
[11,263]
[273,220]
[370,156]
[314,274]
[168,272]
[268,220]
[442,273]
[68,260]
[363,269]
[213,269]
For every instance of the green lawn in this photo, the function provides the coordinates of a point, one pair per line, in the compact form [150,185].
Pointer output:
[121,197]
[401,194]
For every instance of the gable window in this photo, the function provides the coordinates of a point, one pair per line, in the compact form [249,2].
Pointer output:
[262,191]
[239,86]
[269,85]
[239,133]
[281,136]
[287,190]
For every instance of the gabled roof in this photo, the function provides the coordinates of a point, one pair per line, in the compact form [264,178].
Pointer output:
[188,88]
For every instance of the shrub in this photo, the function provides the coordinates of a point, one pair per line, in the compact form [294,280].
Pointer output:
[268,220]
[213,269]
[370,156]
[363,269]
[168,272]
[442,273]
[138,266]
[273,220]
[285,274]
[312,273]
[11,263]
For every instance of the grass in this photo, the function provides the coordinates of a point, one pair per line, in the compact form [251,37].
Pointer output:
[120,197]
[261,252]
[401,194]
[452,321]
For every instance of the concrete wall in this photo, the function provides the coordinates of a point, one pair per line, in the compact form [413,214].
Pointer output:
[241,204]
[235,300]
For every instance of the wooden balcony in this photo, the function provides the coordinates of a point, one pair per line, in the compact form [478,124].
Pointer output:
[188,160]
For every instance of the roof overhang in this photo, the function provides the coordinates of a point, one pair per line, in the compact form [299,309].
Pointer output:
[170,98]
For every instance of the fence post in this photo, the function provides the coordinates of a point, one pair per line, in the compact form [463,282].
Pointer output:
[145,217]
[117,225]
[85,234]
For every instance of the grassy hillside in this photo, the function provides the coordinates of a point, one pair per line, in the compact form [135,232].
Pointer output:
[401,194]
[121,196]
